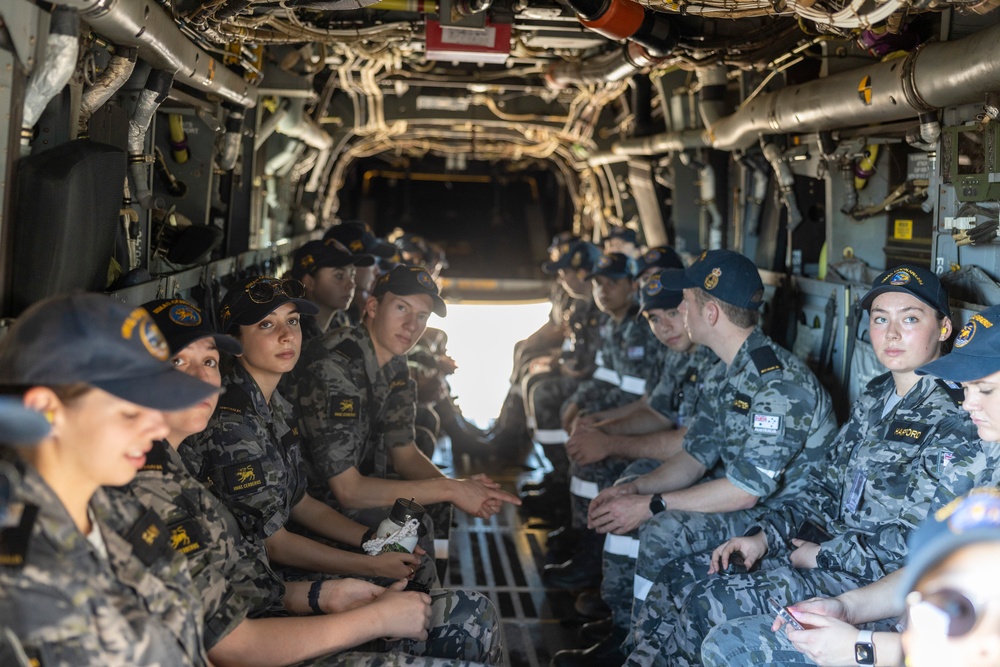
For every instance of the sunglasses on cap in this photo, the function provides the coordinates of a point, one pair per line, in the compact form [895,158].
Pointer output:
[946,609]
[264,290]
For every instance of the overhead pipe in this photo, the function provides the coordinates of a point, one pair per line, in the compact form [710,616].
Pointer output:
[148,26]
[157,87]
[114,76]
[941,74]
[786,183]
[616,65]
[50,76]
[642,106]
[754,198]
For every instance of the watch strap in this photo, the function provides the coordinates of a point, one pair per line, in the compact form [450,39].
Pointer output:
[656,504]
[864,648]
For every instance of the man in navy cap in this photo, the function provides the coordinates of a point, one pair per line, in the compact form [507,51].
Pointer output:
[327,270]
[356,402]
[359,239]
[621,239]
[762,416]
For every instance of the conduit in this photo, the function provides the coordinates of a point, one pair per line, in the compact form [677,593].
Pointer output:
[157,87]
[145,24]
[114,76]
[939,75]
[51,75]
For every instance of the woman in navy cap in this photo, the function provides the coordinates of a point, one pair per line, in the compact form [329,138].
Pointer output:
[72,590]
[241,595]
[249,455]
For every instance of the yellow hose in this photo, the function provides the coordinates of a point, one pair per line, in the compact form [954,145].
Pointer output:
[178,140]
[866,165]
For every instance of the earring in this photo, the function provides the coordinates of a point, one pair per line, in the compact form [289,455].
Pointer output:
[50,416]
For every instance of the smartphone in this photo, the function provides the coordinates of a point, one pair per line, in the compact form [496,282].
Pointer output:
[784,614]
[736,564]
[810,531]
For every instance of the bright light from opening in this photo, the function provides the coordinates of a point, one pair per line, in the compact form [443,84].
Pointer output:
[481,340]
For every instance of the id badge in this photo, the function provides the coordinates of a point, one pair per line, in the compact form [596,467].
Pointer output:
[856,492]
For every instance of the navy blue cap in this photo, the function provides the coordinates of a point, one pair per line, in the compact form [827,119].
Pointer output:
[560,238]
[914,280]
[20,425]
[725,274]
[655,296]
[405,280]
[972,519]
[314,255]
[95,340]
[663,257]
[573,255]
[182,323]
[257,297]
[407,242]
[623,233]
[358,238]
[976,353]
[613,265]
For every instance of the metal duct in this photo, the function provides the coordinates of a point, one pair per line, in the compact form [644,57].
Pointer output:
[603,68]
[231,140]
[939,75]
[786,183]
[144,23]
[712,94]
[299,125]
[157,87]
[113,77]
[61,48]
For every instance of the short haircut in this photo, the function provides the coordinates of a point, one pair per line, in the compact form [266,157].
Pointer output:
[744,318]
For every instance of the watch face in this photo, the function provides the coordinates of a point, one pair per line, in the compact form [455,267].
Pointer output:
[864,654]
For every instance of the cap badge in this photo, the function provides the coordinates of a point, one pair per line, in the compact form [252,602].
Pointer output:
[652,256]
[654,287]
[604,262]
[702,255]
[307,261]
[184,315]
[425,280]
[139,323]
[563,248]
[357,246]
[899,278]
[712,279]
[982,512]
[576,260]
[965,335]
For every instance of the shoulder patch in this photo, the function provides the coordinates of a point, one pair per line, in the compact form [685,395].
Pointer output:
[349,350]
[14,541]
[186,537]
[343,406]
[156,458]
[234,400]
[243,477]
[954,391]
[741,404]
[765,360]
[148,537]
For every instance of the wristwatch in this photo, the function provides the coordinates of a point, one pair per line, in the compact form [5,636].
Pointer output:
[656,504]
[864,648]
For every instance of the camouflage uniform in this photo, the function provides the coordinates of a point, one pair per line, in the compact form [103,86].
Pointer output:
[352,413]
[769,422]
[675,397]
[310,328]
[545,393]
[231,573]
[883,476]
[249,456]
[749,641]
[629,362]
[69,605]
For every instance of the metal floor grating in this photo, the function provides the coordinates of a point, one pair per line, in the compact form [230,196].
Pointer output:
[502,558]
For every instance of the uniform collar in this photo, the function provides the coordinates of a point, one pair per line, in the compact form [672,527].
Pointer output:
[742,359]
